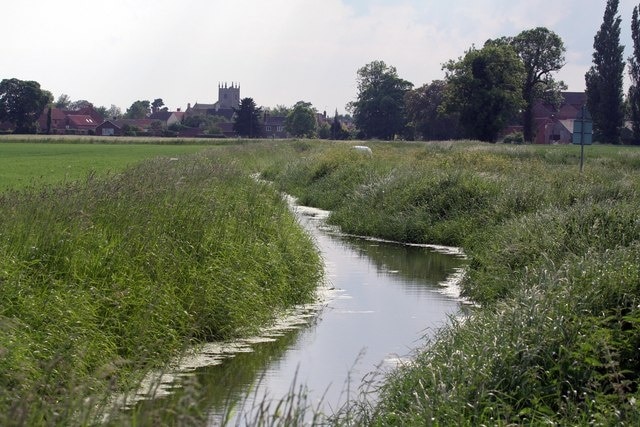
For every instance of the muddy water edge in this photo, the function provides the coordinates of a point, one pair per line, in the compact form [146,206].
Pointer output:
[380,301]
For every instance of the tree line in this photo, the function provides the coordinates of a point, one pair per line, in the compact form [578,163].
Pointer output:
[498,84]
[481,93]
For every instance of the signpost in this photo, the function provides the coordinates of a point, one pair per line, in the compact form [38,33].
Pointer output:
[583,132]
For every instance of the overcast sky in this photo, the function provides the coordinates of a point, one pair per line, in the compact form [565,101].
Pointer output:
[279,51]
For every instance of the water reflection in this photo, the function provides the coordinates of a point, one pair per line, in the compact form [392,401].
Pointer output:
[384,299]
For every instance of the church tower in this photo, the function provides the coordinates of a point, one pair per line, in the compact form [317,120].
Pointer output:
[228,96]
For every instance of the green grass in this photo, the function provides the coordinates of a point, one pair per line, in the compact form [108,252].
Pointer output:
[107,277]
[554,259]
[24,164]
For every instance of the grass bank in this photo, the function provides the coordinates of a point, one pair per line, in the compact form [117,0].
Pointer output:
[106,277]
[554,262]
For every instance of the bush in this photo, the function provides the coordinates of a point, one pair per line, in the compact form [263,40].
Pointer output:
[514,138]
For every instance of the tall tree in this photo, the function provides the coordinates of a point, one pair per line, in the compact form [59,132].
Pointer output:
[379,110]
[158,105]
[425,118]
[634,73]
[485,88]
[301,121]
[138,110]
[337,129]
[542,53]
[247,120]
[21,103]
[604,78]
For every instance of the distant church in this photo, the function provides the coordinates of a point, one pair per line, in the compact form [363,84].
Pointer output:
[228,101]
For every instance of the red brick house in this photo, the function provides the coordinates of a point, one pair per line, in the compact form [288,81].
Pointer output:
[273,127]
[553,124]
[81,122]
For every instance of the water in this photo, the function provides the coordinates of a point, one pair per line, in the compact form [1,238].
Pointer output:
[380,302]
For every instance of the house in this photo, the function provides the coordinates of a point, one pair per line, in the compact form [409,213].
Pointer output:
[167,117]
[273,127]
[132,127]
[108,128]
[82,122]
[553,124]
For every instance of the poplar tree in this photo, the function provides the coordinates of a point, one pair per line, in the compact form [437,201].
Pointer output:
[634,73]
[604,78]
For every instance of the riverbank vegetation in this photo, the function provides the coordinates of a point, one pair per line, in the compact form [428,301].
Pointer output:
[165,250]
[107,277]
[554,262]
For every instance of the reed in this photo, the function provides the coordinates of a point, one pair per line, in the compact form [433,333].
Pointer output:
[105,278]
[553,260]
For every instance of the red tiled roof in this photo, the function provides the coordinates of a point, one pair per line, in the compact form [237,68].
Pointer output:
[81,121]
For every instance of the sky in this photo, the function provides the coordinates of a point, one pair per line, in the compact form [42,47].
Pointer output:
[278,51]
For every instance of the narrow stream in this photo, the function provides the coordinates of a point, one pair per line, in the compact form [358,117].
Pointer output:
[381,300]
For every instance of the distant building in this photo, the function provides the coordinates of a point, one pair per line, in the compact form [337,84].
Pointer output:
[554,123]
[228,102]
[273,127]
[167,117]
[80,122]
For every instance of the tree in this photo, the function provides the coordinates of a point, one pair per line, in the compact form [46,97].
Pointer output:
[301,121]
[63,102]
[278,111]
[604,78]
[110,113]
[209,125]
[634,73]
[80,104]
[379,110]
[138,110]
[542,54]
[485,88]
[21,103]
[158,105]
[425,118]
[247,120]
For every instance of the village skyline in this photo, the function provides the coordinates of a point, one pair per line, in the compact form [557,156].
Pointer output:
[279,52]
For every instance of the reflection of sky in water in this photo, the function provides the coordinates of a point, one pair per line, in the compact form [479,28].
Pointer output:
[382,311]
[386,298]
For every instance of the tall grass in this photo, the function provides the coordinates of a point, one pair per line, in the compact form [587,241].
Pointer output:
[553,261]
[106,278]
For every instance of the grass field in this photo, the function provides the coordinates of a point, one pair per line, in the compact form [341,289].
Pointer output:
[24,164]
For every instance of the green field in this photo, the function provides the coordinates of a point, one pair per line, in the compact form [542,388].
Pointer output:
[24,164]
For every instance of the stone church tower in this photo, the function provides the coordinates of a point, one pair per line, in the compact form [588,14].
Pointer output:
[228,96]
